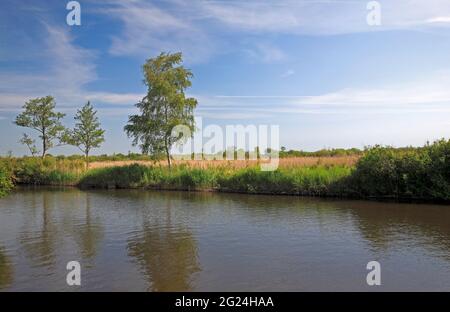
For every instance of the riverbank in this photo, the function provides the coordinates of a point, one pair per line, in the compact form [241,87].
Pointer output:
[312,181]
[417,174]
[6,183]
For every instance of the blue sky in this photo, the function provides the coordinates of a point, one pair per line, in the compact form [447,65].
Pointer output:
[316,68]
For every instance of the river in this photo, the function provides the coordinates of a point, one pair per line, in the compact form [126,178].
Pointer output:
[136,240]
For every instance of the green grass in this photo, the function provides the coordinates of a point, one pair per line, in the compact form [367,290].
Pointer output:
[319,180]
[313,181]
[138,176]
[50,171]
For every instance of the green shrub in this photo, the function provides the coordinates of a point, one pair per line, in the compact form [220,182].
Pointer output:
[418,173]
[318,180]
[136,175]
[5,181]
[115,177]
[48,171]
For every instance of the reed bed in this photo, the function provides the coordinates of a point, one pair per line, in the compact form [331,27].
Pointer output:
[289,162]
[313,181]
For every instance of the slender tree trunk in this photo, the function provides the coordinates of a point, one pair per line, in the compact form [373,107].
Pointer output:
[44,146]
[167,153]
[86,155]
[168,158]
[166,144]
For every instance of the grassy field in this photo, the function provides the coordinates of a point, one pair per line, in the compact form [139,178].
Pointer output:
[380,172]
[289,162]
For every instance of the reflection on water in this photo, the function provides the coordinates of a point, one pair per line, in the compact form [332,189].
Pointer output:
[166,253]
[88,233]
[387,225]
[6,270]
[179,241]
[39,244]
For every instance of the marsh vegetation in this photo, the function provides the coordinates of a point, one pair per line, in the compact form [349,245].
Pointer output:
[380,172]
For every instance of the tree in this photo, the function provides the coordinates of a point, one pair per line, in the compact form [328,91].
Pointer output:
[164,107]
[30,143]
[87,133]
[39,115]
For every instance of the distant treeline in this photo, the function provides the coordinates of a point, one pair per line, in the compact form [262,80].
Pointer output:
[334,152]
[321,153]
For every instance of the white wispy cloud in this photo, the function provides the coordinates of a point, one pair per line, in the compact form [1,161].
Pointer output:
[193,27]
[288,73]
[428,91]
[148,29]
[69,70]
[322,17]
[227,115]
[114,98]
[428,95]
[439,19]
[265,52]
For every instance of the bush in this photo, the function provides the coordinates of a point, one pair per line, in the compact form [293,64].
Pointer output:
[5,181]
[48,171]
[313,181]
[114,177]
[417,173]
[135,175]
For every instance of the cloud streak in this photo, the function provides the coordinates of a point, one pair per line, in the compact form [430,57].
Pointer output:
[430,95]
[69,70]
[192,27]
[148,29]
[322,17]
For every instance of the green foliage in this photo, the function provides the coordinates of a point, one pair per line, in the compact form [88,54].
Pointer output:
[302,181]
[48,171]
[164,107]
[320,153]
[114,177]
[87,133]
[106,158]
[193,178]
[39,115]
[312,181]
[417,173]
[133,176]
[6,183]
[30,143]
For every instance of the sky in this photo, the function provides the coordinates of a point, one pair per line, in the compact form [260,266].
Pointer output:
[317,69]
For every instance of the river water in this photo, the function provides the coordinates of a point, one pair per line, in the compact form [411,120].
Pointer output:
[136,240]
